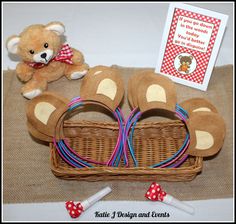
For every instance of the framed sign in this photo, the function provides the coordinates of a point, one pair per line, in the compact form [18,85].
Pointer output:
[190,44]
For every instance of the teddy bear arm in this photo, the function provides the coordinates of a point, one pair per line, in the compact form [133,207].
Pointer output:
[24,72]
[78,58]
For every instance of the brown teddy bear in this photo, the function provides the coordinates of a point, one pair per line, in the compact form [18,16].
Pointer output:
[44,57]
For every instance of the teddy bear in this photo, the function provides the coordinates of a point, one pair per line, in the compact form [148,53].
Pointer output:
[45,57]
[185,62]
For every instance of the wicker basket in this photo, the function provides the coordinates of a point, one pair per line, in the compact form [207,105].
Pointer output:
[153,143]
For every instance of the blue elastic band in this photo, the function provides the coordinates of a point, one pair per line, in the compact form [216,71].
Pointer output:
[72,155]
[182,110]
[172,157]
[67,158]
[75,106]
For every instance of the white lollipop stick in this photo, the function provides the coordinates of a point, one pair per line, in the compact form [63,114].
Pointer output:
[94,198]
[170,200]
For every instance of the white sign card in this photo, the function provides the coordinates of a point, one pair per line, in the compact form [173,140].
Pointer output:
[190,44]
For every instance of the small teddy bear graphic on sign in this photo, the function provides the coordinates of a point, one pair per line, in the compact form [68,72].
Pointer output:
[44,57]
[185,62]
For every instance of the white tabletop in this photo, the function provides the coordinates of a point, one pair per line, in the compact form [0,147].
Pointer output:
[205,210]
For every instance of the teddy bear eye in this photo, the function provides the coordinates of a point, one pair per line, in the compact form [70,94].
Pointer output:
[46,45]
[31,52]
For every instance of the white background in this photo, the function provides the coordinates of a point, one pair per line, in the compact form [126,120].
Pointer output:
[126,34]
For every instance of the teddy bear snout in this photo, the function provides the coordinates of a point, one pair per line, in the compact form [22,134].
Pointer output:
[43,56]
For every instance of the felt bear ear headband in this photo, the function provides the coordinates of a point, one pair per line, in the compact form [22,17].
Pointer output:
[46,113]
[146,91]
[205,127]
[103,84]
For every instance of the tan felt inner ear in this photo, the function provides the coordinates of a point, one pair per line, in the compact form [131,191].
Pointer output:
[89,78]
[43,110]
[100,69]
[204,140]
[202,109]
[207,132]
[108,88]
[97,72]
[133,86]
[198,104]
[156,93]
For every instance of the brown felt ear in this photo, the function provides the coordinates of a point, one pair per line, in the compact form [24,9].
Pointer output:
[207,132]
[156,91]
[34,132]
[196,105]
[44,111]
[129,93]
[133,86]
[93,72]
[104,86]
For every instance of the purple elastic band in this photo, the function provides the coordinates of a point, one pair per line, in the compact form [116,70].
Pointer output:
[180,161]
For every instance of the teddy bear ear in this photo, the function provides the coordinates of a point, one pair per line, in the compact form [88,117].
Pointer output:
[12,44]
[207,132]
[43,113]
[156,92]
[198,104]
[56,27]
[103,85]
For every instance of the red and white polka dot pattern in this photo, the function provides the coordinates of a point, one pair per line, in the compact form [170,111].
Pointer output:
[74,210]
[155,193]
[173,50]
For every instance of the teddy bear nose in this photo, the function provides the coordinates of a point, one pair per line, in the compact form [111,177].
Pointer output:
[44,55]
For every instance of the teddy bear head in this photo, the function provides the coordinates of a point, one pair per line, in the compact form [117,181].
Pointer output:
[37,43]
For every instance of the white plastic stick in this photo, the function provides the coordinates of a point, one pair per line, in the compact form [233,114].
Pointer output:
[170,200]
[94,198]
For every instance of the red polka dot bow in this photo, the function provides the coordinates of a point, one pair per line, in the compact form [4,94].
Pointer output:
[74,210]
[64,55]
[155,193]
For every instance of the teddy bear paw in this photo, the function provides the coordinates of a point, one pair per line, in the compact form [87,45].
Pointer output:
[30,95]
[78,75]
